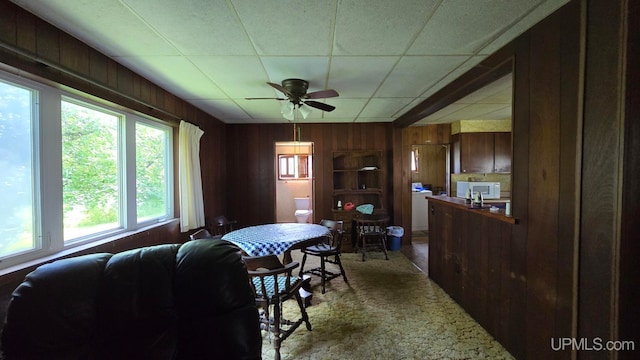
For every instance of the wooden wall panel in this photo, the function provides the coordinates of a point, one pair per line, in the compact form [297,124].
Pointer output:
[250,159]
[629,314]
[608,245]
[544,168]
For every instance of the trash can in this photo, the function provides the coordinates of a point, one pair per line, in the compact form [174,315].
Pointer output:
[394,237]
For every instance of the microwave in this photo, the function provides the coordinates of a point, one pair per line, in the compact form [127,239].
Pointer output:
[489,190]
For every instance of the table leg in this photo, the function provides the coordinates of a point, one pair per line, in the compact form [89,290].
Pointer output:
[286,257]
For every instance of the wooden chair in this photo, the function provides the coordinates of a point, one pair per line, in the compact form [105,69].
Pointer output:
[273,284]
[328,252]
[372,233]
[221,225]
[201,234]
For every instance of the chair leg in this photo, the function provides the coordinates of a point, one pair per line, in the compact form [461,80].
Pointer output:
[323,273]
[339,262]
[364,248]
[305,317]
[277,336]
[304,259]
[384,247]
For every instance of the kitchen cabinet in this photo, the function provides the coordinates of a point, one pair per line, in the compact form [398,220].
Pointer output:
[485,152]
[502,152]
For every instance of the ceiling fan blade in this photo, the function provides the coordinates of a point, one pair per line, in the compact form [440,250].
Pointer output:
[264,98]
[322,94]
[279,88]
[319,105]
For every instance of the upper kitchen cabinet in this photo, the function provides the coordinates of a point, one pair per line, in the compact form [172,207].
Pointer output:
[502,152]
[482,152]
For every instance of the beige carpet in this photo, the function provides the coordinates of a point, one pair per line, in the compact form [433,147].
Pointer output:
[389,310]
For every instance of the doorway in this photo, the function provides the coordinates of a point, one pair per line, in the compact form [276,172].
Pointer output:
[294,179]
[430,166]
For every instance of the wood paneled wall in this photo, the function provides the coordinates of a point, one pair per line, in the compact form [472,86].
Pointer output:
[251,164]
[575,113]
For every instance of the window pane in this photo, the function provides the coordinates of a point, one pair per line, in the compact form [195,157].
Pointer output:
[17,230]
[151,178]
[90,181]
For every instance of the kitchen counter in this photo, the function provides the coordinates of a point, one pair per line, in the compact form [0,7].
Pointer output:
[460,204]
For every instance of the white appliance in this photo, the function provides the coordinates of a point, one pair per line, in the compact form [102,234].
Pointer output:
[489,190]
[419,208]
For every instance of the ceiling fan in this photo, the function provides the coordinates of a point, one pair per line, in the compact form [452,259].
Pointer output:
[296,92]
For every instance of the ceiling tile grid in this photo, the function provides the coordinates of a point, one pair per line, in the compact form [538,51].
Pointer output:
[382,57]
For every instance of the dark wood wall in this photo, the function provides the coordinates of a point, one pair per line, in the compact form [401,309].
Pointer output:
[629,273]
[609,273]
[574,178]
[251,164]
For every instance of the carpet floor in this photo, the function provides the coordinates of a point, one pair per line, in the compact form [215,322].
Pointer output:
[389,310]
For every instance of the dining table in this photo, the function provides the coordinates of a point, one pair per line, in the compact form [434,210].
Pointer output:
[276,239]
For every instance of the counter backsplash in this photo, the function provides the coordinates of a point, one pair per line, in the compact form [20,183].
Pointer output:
[503,178]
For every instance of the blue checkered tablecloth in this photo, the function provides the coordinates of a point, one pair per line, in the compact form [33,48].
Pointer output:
[274,239]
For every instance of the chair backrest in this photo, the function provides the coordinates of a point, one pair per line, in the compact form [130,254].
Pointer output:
[267,269]
[200,234]
[337,231]
[221,225]
[372,224]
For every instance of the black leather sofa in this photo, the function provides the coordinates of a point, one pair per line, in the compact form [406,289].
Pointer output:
[189,301]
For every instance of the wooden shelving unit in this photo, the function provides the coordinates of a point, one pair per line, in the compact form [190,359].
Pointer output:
[359,178]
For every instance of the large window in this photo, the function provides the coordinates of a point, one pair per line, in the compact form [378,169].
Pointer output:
[17,181]
[152,174]
[75,172]
[90,170]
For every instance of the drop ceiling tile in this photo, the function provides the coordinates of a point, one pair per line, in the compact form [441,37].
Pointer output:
[196,27]
[415,74]
[293,28]
[472,112]
[178,74]
[462,27]
[359,76]
[498,92]
[374,120]
[93,22]
[384,107]
[388,30]
[500,114]
[456,73]
[239,76]
[312,69]
[221,109]
[345,108]
[261,108]
[538,13]
[448,110]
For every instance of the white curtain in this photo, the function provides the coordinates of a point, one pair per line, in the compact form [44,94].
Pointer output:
[190,179]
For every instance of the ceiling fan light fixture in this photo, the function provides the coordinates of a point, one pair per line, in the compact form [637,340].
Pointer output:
[304,110]
[287,110]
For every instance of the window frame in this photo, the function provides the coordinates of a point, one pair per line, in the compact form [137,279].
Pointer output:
[47,171]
